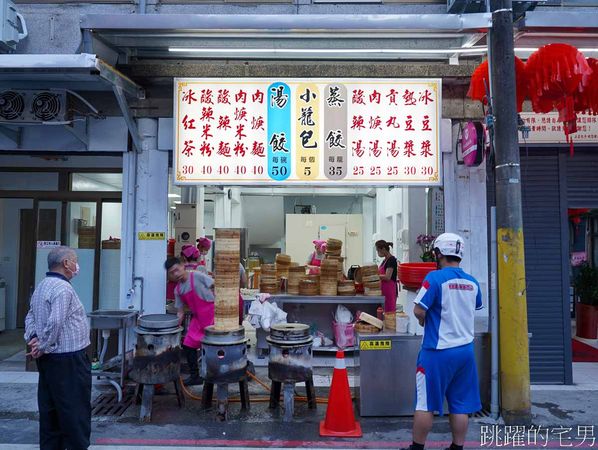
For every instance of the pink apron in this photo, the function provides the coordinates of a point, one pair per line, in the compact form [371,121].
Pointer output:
[314,262]
[389,291]
[203,315]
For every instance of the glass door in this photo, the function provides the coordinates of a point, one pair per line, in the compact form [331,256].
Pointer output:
[109,288]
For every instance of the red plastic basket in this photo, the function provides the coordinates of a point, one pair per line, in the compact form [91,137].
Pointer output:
[411,275]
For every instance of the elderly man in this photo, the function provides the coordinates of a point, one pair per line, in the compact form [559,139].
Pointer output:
[57,331]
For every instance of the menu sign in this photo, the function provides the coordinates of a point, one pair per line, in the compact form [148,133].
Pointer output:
[307,131]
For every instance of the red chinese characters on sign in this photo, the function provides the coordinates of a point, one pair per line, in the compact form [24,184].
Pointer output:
[189,97]
[425,97]
[358,97]
[408,97]
[393,149]
[358,149]
[392,97]
[189,147]
[224,96]
[409,152]
[205,149]
[375,123]
[375,149]
[426,123]
[206,131]
[257,123]
[426,151]
[241,97]
[375,97]
[207,113]
[239,149]
[392,122]
[224,149]
[409,124]
[206,96]
[258,97]
[224,123]
[258,149]
[358,123]
[188,124]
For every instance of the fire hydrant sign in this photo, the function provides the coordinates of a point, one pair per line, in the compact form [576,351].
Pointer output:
[307,131]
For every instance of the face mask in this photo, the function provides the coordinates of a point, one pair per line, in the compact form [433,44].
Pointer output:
[76,271]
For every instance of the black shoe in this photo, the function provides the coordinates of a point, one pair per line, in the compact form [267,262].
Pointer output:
[194,380]
[407,448]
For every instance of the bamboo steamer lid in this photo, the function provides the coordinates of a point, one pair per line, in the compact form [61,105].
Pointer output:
[283,259]
[368,318]
[297,269]
[334,243]
[373,292]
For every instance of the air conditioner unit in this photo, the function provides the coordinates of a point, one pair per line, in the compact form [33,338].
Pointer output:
[34,107]
[13,27]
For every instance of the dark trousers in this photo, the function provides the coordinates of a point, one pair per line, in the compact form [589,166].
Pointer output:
[64,401]
[191,355]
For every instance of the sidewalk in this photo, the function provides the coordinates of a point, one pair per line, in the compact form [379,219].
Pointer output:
[554,407]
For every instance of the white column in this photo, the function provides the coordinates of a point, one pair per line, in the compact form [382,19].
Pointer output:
[150,205]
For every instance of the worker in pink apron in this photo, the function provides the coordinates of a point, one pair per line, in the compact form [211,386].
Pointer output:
[203,245]
[190,257]
[388,275]
[314,261]
[194,289]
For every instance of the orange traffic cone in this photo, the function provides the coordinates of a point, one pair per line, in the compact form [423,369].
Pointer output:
[340,420]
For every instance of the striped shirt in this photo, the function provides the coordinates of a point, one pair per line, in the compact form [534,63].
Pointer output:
[57,317]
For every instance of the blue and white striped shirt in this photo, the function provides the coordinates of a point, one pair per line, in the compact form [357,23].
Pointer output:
[57,317]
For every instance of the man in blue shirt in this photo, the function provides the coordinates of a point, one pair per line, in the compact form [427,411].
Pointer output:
[445,306]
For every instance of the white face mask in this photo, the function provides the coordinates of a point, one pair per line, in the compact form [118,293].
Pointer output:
[76,271]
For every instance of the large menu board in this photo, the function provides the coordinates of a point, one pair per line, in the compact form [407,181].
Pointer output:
[307,131]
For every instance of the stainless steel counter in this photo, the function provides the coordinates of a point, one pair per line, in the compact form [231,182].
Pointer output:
[387,363]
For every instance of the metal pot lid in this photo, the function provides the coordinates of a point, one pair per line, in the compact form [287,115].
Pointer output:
[158,321]
[214,336]
[172,330]
[289,331]
[286,343]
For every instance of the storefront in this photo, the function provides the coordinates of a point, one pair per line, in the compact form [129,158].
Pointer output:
[556,182]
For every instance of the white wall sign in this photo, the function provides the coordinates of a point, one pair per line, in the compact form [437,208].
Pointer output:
[307,131]
[48,244]
[546,128]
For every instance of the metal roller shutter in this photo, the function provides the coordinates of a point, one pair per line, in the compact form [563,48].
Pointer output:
[541,201]
[582,179]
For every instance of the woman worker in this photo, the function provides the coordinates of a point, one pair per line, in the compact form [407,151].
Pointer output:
[203,245]
[314,260]
[190,257]
[388,275]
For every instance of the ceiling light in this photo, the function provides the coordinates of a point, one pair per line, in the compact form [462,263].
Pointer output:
[174,196]
[331,51]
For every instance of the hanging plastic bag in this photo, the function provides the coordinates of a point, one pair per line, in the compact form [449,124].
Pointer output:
[343,315]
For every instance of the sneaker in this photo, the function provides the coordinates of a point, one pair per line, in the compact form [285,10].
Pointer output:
[194,380]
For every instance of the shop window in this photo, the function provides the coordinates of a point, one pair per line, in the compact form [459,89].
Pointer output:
[97,182]
[110,256]
[28,181]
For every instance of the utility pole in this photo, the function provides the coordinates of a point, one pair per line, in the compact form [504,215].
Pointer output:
[512,302]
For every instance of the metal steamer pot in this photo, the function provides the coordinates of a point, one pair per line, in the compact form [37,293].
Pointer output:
[157,358]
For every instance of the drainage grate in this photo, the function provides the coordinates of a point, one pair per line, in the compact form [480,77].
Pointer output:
[108,405]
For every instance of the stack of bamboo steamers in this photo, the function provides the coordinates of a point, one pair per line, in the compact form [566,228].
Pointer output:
[296,275]
[227,252]
[371,280]
[269,283]
[329,277]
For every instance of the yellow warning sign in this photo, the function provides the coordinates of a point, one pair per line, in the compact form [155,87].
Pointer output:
[151,235]
[384,344]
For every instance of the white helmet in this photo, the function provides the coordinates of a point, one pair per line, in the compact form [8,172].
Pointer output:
[449,244]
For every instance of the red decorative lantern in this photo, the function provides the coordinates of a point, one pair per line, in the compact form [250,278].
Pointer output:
[557,74]
[480,79]
[587,101]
